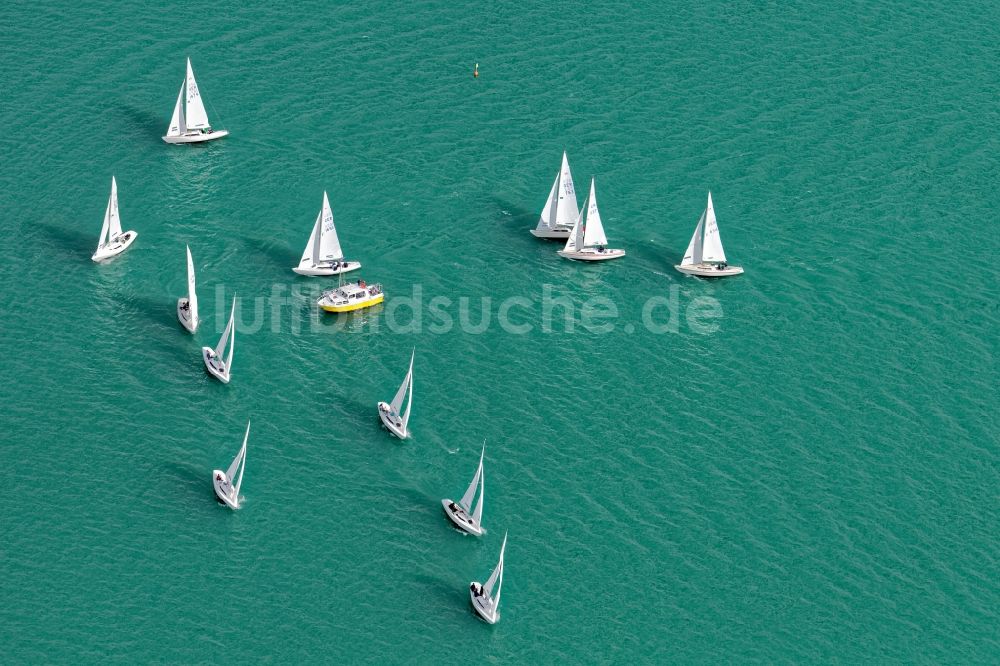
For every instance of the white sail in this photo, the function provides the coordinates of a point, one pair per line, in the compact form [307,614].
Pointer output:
[566,211]
[593,229]
[470,493]
[575,241]
[114,222]
[693,253]
[239,463]
[311,253]
[329,246]
[397,401]
[545,219]
[177,124]
[496,578]
[712,251]
[107,216]
[477,513]
[192,294]
[228,336]
[409,400]
[232,337]
[194,115]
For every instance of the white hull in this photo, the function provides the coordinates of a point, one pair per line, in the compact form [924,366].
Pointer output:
[215,365]
[392,423]
[561,233]
[589,254]
[319,271]
[184,315]
[483,605]
[196,137]
[709,270]
[223,489]
[115,247]
[462,519]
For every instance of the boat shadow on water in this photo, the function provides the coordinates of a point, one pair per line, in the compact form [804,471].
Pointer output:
[196,481]
[70,244]
[511,215]
[454,592]
[144,121]
[163,329]
[281,257]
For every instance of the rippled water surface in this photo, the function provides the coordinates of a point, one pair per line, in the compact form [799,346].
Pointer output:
[814,480]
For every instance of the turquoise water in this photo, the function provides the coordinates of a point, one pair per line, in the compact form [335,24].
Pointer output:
[811,476]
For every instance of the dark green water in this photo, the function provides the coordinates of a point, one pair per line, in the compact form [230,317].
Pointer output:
[812,477]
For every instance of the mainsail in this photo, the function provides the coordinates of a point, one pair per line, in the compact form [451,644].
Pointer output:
[560,208]
[329,245]
[713,251]
[192,294]
[195,115]
[470,493]
[593,230]
[496,578]
[397,401]
[228,337]
[239,462]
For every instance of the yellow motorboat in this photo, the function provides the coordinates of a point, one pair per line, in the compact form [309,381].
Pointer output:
[351,296]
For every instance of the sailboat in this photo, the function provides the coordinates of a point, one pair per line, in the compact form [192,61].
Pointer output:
[394,420]
[227,484]
[213,357]
[112,241]
[484,601]
[189,124]
[187,308]
[704,256]
[560,211]
[459,513]
[587,241]
[323,255]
